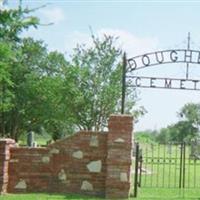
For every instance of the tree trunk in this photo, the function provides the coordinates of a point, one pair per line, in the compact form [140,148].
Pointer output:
[14,125]
[2,112]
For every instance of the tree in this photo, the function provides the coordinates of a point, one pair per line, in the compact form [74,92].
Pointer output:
[178,132]
[42,90]
[182,131]
[5,84]
[29,68]
[99,82]
[185,129]
[164,135]
[147,136]
[191,113]
[12,23]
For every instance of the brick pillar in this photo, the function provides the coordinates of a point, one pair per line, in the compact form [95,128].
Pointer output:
[5,145]
[119,144]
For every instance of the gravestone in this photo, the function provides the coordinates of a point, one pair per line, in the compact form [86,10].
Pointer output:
[195,149]
[169,148]
[30,139]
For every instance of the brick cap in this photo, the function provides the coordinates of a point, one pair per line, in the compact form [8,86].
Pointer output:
[120,116]
[7,141]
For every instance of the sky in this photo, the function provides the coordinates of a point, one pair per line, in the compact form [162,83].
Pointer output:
[142,27]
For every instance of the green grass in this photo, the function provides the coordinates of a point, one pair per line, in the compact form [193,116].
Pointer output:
[45,197]
[40,139]
[165,194]
[147,195]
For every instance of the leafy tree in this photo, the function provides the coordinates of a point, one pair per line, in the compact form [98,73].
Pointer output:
[14,21]
[29,68]
[164,135]
[191,113]
[182,131]
[147,136]
[99,82]
[178,132]
[6,83]
[41,90]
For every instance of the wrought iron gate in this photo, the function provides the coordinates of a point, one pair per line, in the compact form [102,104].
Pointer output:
[168,166]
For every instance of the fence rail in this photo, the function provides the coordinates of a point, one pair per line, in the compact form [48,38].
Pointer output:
[168,166]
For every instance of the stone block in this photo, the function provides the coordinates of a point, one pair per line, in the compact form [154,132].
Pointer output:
[78,154]
[95,166]
[120,140]
[62,175]
[94,142]
[21,184]
[123,177]
[54,151]
[45,159]
[87,186]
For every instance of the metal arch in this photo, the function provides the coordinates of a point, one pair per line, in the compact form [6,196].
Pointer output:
[168,83]
[184,58]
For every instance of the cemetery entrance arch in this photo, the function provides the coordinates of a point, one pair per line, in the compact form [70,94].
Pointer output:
[172,166]
[171,56]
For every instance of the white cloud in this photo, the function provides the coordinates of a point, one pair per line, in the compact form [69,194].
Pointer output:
[132,44]
[3,5]
[78,38]
[55,15]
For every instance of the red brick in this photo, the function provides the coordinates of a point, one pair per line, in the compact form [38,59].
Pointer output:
[42,177]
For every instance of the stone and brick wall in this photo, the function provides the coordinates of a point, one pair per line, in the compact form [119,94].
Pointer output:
[119,146]
[90,163]
[5,146]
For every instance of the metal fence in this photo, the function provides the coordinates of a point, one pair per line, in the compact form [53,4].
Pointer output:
[169,166]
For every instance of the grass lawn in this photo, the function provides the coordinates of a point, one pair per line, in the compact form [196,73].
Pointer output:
[165,194]
[40,139]
[147,195]
[40,196]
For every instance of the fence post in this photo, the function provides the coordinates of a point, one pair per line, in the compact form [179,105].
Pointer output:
[123,83]
[181,166]
[184,164]
[136,170]
[5,145]
[119,148]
